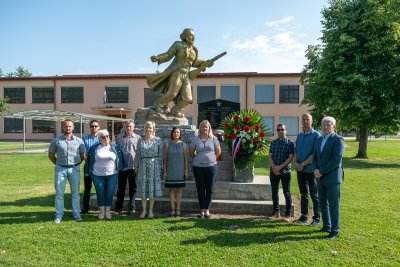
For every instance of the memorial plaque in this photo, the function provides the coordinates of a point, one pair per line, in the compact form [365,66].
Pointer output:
[216,110]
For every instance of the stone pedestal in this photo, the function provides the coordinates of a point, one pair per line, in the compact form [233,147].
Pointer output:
[244,176]
[148,114]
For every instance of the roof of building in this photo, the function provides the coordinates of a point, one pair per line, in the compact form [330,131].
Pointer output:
[58,115]
[143,76]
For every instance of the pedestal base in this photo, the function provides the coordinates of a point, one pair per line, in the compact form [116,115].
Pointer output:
[143,115]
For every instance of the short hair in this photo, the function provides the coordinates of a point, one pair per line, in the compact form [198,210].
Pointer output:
[173,130]
[68,120]
[184,33]
[93,121]
[307,114]
[102,133]
[329,119]
[152,123]
[210,132]
[281,124]
[129,122]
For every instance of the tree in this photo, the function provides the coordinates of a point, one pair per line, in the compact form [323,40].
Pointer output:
[4,106]
[354,74]
[1,73]
[20,72]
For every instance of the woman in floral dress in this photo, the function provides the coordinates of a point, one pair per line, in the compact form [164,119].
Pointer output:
[148,164]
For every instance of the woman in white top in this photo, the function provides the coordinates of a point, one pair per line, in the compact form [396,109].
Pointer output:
[104,161]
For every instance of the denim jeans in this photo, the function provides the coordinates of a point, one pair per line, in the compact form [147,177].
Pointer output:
[61,174]
[205,179]
[105,187]
[275,179]
[308,183]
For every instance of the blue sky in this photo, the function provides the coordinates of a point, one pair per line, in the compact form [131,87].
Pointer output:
[110,37]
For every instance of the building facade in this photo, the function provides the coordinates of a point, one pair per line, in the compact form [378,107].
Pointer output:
[277,96]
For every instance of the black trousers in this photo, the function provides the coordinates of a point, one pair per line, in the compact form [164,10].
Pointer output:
[124,177]
[308,184]
[86,193]
[205,178]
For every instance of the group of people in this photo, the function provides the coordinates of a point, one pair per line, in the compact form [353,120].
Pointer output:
[140,161]
[318,161]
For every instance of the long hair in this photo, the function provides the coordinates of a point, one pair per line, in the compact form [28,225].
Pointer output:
[210,132]
[172,133]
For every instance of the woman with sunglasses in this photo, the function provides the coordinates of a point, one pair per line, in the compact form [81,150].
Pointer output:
[104,161]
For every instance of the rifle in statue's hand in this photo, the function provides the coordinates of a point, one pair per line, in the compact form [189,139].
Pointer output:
[194,73]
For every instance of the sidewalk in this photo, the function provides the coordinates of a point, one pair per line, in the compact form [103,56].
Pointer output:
[21,151]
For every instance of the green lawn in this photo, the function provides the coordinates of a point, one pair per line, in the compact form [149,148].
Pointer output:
[370,229]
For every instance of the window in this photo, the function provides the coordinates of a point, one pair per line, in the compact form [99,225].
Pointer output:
[190,120]
[150,97]
[117,94]
[292,124]
[289,94]
[13,125]
[269,124]
[305,90]
[265,93]
[205,93]
[71,94]
[230,93]
[15,95]
[39,126]
[42,95]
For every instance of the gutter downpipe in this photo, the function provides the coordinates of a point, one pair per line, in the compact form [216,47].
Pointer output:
[55,103]
[246,88]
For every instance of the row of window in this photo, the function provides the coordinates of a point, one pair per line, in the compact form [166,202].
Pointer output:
[264,94]
[39,126]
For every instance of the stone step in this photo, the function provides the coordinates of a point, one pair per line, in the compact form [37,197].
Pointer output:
[190,206]
[230,190]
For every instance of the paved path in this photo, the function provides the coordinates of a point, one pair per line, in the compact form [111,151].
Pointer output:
[21,151]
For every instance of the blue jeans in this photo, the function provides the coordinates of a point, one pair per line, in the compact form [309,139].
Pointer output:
[105,187]
[61,174]
[275,179]
[205,179]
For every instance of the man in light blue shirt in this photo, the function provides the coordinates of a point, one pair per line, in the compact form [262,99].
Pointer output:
[89,140]
[303,162]
[67,152]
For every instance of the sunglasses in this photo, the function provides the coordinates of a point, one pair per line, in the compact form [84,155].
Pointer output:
[280,130]
[105,137]
[94,126]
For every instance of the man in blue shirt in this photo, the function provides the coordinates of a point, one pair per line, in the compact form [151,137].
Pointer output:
[89,140]
[67,152]
[303,163]
[280,155]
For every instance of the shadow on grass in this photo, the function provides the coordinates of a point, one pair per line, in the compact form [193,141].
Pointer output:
[42,201]
[353,163]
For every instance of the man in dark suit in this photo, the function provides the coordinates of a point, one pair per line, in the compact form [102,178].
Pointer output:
[328,152]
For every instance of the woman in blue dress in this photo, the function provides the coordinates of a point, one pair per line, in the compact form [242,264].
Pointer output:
[175,169]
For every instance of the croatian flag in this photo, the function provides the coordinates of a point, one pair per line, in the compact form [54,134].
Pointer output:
[105,97]
[235,147]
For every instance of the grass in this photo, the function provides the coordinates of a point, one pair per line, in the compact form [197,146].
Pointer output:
[370,229]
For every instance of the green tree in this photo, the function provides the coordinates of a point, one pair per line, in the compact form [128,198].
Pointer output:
[1,73]
[354,73]
[20,72]
[4,106]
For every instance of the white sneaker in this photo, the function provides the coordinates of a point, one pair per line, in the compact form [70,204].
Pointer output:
[57,220]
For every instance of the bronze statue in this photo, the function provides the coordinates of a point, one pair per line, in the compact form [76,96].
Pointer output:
[174,81]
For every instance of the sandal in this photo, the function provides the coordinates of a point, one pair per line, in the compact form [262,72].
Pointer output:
[178,213]
[200,216]
[207,216]
[172,214]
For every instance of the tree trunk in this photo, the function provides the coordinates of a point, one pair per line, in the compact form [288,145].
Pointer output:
[357,136]
[362,144]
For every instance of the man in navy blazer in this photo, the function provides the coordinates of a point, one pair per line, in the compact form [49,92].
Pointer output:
[328,152]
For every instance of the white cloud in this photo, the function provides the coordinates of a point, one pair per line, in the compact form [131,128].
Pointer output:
[277,23]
